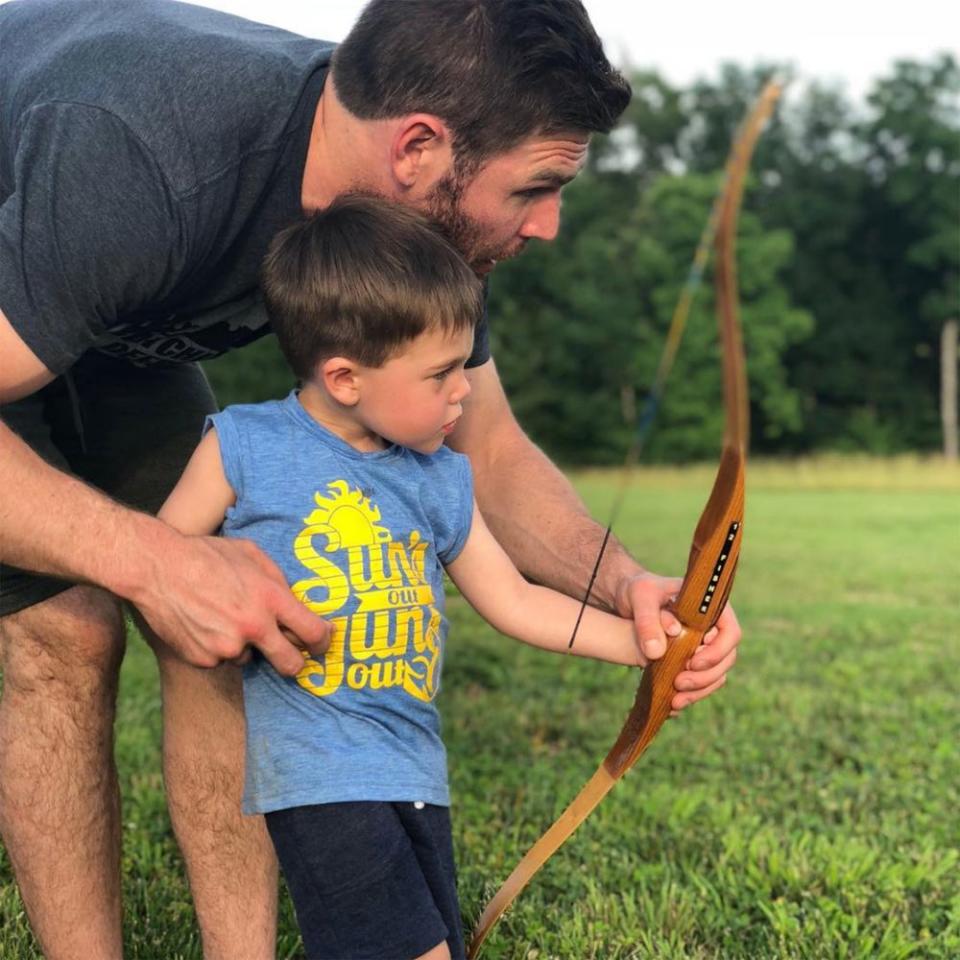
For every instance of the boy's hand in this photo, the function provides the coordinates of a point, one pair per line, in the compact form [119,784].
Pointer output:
[211,600]
[643,598]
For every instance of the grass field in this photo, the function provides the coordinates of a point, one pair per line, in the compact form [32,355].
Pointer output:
[809,810]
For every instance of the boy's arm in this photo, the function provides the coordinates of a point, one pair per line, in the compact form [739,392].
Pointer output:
[199,501]
[493,586]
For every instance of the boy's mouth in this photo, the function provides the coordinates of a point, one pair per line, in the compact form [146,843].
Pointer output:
[447,428]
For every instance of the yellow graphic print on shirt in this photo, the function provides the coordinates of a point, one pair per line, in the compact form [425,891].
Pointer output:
[393,636]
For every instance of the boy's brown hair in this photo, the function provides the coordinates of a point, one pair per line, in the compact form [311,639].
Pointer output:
[359,279]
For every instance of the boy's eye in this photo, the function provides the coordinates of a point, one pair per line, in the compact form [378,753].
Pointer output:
[443,374]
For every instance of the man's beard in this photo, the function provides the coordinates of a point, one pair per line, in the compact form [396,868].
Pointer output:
[465,232]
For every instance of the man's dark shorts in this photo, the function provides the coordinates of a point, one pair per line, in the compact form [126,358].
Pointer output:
[371,880]
[127,430]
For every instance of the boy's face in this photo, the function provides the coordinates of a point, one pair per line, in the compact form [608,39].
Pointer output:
[415,398]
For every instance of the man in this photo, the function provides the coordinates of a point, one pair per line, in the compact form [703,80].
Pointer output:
[148,153]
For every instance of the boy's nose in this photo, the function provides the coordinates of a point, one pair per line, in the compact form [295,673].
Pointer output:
[461,390]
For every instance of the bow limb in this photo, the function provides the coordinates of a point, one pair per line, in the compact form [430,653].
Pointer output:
[713,553]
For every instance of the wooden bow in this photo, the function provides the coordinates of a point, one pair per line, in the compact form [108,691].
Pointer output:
[713,553]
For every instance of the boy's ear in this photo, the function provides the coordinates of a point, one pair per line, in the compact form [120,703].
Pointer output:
[340,377]
[421,152]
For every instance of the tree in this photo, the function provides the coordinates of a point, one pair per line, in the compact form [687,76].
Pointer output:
[873,207]
[915,168]
[579,325]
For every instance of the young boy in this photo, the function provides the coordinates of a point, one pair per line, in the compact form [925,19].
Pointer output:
[347,485]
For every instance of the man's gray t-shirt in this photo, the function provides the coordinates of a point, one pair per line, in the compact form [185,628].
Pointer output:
[149,151]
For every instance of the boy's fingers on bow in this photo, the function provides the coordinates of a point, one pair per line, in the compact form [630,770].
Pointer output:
[682,700]
[697,680]
[707,656]
[720,641]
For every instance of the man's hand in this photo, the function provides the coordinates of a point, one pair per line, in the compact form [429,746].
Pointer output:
[643,598]
[211,600]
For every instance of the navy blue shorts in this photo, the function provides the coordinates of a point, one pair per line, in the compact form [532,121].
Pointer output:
[370,881]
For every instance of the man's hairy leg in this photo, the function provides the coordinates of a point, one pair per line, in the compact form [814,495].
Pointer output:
[230,860]
[59,800]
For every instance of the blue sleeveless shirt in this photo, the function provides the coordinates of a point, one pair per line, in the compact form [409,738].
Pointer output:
[362,539]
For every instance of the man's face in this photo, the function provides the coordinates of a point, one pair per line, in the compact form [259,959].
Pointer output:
[514,197]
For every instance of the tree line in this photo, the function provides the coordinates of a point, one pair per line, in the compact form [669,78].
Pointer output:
[848,261]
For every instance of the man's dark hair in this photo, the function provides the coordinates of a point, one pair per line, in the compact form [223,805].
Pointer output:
[361,278]
[496,71]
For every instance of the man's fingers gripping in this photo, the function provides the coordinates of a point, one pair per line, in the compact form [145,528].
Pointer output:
[282,654]
[303,628]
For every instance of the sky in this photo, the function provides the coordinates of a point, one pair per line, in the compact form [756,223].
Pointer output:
[845,42]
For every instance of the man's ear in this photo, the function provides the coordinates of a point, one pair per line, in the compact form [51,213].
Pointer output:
[421,152]
[341,379]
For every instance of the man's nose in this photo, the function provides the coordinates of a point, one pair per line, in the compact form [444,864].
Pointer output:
[543,220]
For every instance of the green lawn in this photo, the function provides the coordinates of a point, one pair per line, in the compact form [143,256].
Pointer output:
[809,810]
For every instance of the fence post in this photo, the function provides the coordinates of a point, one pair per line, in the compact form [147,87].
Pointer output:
[948,388]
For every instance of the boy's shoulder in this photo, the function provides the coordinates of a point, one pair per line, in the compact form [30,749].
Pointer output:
[258,409]
[260,412]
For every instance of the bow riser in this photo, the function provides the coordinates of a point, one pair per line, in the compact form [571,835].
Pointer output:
[715,548]
[698,605]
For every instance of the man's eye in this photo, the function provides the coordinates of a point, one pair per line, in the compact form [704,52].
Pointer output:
[533,192]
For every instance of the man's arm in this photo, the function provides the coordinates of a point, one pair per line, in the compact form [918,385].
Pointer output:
[55,524]
[535,514]
[529,505]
